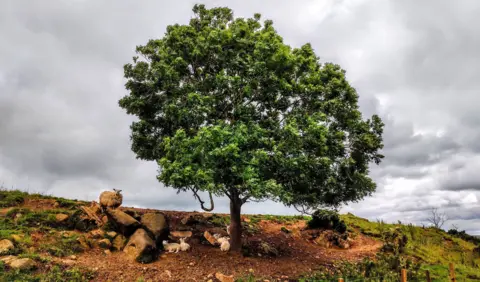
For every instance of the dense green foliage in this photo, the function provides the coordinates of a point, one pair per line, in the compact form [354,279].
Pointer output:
[225,106]
[327,219]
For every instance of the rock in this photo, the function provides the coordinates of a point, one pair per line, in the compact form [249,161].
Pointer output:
[68,234]
[157,225]
[141,247]
[194,219]
[61,217]
[83,242]
[74,257]
[8,259]
[111,199]
[224,278]
[17,238]
[343,244]
[181,234]
[23,263]
[68,262]
[124,222]
[111,234]
[56,204]
[105,244]
[107,252]
[210,238]
[6,246]
[119,242]
[104,219]
[97,233]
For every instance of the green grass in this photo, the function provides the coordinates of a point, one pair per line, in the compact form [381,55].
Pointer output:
[11,198]
[434,248]
[55,274]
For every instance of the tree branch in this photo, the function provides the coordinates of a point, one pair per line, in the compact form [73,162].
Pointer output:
[212,206]
[301,209]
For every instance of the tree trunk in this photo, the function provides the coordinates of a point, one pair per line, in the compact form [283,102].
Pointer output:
[235,225]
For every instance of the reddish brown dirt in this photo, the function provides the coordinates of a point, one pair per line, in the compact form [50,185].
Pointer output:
[199,264]
[298,255]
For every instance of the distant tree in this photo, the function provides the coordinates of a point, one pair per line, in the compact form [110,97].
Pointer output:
[437,219]
[227,108]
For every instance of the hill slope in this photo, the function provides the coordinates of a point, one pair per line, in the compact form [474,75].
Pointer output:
[47,231]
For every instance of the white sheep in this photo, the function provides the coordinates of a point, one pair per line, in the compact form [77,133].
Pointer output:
[222,239]
[184,246]
[225,246]
[111,199]
[171,247]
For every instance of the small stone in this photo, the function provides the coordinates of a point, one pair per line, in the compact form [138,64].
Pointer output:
[250,270]
[97,233]
[74,257]
[105,244]
[210,275]
[6,246]
[68,262]
[210,280]
[61,217]
[224,278]
[169,274]
[192,264]
[111,234]
[83,242]
[104,219]
[8,259]
[181,234]
[163,256]
[56,204]
[23,263]
[107,252]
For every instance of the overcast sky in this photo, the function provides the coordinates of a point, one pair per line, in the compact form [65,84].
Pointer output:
[415,63]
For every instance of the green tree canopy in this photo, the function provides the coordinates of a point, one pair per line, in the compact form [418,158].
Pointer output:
[225,106]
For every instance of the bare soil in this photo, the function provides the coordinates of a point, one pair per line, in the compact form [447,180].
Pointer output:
[298,255]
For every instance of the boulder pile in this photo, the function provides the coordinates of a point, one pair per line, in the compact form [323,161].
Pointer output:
[140,237]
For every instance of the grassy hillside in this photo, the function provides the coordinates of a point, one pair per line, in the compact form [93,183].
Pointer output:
[60,249]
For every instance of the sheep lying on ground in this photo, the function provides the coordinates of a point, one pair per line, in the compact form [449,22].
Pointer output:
[225,246]
[111,199]
[171,247]
[224,242]
[184,246]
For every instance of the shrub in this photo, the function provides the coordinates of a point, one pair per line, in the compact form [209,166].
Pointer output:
[327,219]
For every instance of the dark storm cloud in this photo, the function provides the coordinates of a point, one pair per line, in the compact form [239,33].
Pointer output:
[415,63]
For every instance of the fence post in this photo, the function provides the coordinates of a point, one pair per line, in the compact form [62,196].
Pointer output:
[427,273]
[452,272]
[340,279]
[404,275]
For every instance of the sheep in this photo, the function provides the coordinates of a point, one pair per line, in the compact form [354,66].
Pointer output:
[111,199]
[222,239]
[184,246]
[225,246]
[170,247]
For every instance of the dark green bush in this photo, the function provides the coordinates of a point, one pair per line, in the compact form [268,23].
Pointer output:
[327,219]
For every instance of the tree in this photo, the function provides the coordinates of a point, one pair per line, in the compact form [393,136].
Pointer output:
[225,107]
[437,219]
